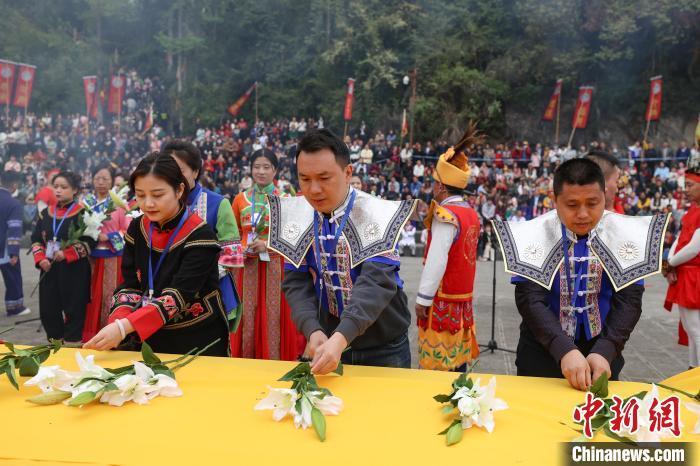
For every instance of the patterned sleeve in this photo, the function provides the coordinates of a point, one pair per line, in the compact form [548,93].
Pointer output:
[80,249]
[229,238]
[199,258]
[38,248]
[76,251]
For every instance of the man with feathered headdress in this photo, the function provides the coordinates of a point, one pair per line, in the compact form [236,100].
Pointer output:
[446,331]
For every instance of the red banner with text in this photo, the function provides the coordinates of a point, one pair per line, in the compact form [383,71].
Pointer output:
[25,83]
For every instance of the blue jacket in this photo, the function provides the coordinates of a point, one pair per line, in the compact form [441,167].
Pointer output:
[10,225]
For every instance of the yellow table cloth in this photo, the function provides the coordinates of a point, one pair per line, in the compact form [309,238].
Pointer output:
[389,418]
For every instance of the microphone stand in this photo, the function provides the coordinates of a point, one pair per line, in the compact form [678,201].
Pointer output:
[492,344]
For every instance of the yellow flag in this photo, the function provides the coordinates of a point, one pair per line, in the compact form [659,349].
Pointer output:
[697,131]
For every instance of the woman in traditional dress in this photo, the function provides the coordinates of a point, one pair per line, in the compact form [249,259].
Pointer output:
[64,283]
[216,211]
[266,330]
[170,296]
[107,255]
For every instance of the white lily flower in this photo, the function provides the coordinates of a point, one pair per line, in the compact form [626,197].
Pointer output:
[93,223]
[281,401]
[468,392]
[477,405]
[329,405]
[644,433]
[88,368]
[166,386]
[113,398]
[143,372]
[89,386]
[118,197]
[489,404]
[141,394]
[303,419]
[468,407]
[130,387]
[52,378]
[136,213]
[466,402]
[695,409]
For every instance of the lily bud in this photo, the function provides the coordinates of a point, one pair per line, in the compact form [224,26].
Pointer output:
[49,398]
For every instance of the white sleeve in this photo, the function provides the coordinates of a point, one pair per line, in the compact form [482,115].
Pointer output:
[443,235]
[688,252]
[672,251]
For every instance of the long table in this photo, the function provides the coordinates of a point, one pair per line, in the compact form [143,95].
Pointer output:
[389,418]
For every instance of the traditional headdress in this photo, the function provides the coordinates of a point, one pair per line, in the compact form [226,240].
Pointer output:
[453,166]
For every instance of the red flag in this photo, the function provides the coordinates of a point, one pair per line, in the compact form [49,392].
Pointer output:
[349,97]
[90,87]
[583,107]
[404,125]
[116,94]
[103,93]
[235,108]
[7,78]
[149,120]
[654,105]
[23,91]
[551,110]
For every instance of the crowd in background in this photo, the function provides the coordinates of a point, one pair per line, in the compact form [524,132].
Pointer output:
[508,180]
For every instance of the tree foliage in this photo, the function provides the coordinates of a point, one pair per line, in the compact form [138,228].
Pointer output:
[475,59]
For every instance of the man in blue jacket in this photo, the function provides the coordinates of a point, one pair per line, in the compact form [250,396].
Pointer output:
[10,235]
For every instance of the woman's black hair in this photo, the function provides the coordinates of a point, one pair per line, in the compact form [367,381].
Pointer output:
[73,179]
[185,151]
[104,166]
[164,167]
[268,154]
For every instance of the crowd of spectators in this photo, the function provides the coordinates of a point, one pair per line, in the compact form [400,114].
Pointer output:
[508,180]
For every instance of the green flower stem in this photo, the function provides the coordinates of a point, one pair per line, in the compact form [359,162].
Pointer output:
[194,356]
[184,356]
[694,397]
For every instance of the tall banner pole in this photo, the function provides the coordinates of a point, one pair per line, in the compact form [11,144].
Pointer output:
[646,130]
[119,120]
[571,138]
[413,104]
[573,129]
[256,103]
[556,130]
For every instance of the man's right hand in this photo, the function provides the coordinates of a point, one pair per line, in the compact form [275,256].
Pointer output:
[576,369]
[45,265]
[316,339]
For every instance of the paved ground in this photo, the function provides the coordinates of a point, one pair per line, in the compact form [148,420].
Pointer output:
[651,354]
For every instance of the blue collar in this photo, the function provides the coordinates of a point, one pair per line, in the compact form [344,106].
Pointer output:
[194,194]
